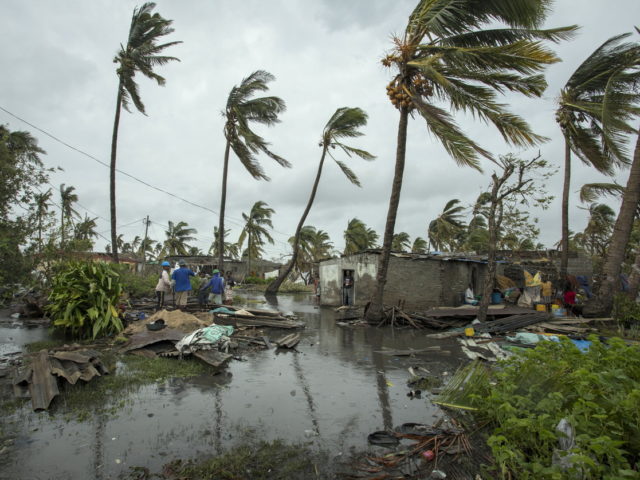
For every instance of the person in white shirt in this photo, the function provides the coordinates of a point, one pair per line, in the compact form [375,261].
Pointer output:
[469,297]
[163,286]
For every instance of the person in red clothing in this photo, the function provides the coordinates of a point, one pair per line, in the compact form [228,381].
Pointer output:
[569,299]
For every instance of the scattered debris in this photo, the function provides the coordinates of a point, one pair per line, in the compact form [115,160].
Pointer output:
[288,341]
[175,319]
[39,380]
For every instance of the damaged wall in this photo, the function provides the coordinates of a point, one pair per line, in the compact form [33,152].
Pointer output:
[418,282]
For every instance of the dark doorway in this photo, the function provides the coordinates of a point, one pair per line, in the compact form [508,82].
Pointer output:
[348,287]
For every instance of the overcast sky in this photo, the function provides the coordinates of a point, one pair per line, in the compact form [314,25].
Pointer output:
[58,74]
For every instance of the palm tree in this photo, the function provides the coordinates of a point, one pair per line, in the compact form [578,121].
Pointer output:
[358,237]
[178,235]
[240,111]
[230,249]
[419,245]
[345,123]
[140,54]
[594,107]
[41,205]
[454,51]
[255,230]
[444,229]
[401,242]
[597,233]
[67,199]
[86,229]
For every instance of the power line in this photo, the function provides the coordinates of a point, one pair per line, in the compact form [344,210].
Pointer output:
[230,219]
[88,155]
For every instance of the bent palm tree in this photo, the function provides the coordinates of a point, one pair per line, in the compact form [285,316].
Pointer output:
[454,51]
[255,230]
[446,227]
[344,123]
[419,245]
[401,242]
[594,107]
[140,54]
[178,234]
[358,237]
[240,111]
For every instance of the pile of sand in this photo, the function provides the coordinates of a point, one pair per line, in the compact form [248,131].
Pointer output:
[174,319]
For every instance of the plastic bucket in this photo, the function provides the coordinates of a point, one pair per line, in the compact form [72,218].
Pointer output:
[554,306]
[541,307]
[496,298]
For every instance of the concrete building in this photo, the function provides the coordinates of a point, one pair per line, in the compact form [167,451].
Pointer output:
[422,281]
[416,281]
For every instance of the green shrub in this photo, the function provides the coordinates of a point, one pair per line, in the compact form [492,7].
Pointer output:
[137,285]
[598,392]
[257,280]
[84,298]
[625,311]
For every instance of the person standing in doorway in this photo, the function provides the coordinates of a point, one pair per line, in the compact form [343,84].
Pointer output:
[183,283]
[164,285]
[347,288]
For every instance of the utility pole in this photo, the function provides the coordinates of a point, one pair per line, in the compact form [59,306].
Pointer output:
[144,244]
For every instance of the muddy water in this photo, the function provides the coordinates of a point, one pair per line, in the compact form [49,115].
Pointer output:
[332,394]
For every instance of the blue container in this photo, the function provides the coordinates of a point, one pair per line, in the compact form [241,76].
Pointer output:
[496,298]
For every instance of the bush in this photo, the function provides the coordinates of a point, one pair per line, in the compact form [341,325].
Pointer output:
[625,311]
[84,298]
[257,280]
[136,284]
[598,392]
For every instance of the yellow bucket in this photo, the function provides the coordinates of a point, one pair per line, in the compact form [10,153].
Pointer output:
[555,306]
[469,332]
[541,307]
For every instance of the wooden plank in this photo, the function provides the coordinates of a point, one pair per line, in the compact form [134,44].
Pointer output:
[44,385]
[562,328]
[256,322]
[406,353]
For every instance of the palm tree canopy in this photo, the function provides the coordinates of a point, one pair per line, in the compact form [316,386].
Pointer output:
[345,123]
[444,229]
[458,53]
[67,199]
[358,237]
[241,110]
[142,53]
[599,100]
[256,223]
[419,245]
[401,242]
[178,235]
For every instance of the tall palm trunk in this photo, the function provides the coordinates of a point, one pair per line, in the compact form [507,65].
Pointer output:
[564,242]
[275,285]
[375,311]
[223,202]
[112,176]
[249,254]
[621,233]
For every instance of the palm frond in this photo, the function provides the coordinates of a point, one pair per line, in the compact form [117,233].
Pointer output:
[463,150]
[590,192]
[348,173]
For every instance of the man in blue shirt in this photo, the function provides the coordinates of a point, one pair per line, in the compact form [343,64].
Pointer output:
[216,286]
[183,283]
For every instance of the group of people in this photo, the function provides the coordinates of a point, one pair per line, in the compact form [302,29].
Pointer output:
[213,290]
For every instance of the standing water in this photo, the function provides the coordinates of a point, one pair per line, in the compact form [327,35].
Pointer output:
[333,391]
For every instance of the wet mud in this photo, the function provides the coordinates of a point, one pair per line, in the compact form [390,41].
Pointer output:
[330,393]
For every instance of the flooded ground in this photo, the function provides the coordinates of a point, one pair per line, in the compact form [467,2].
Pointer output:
[331,394]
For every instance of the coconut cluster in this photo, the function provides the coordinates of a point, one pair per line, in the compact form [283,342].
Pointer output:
[399,98]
